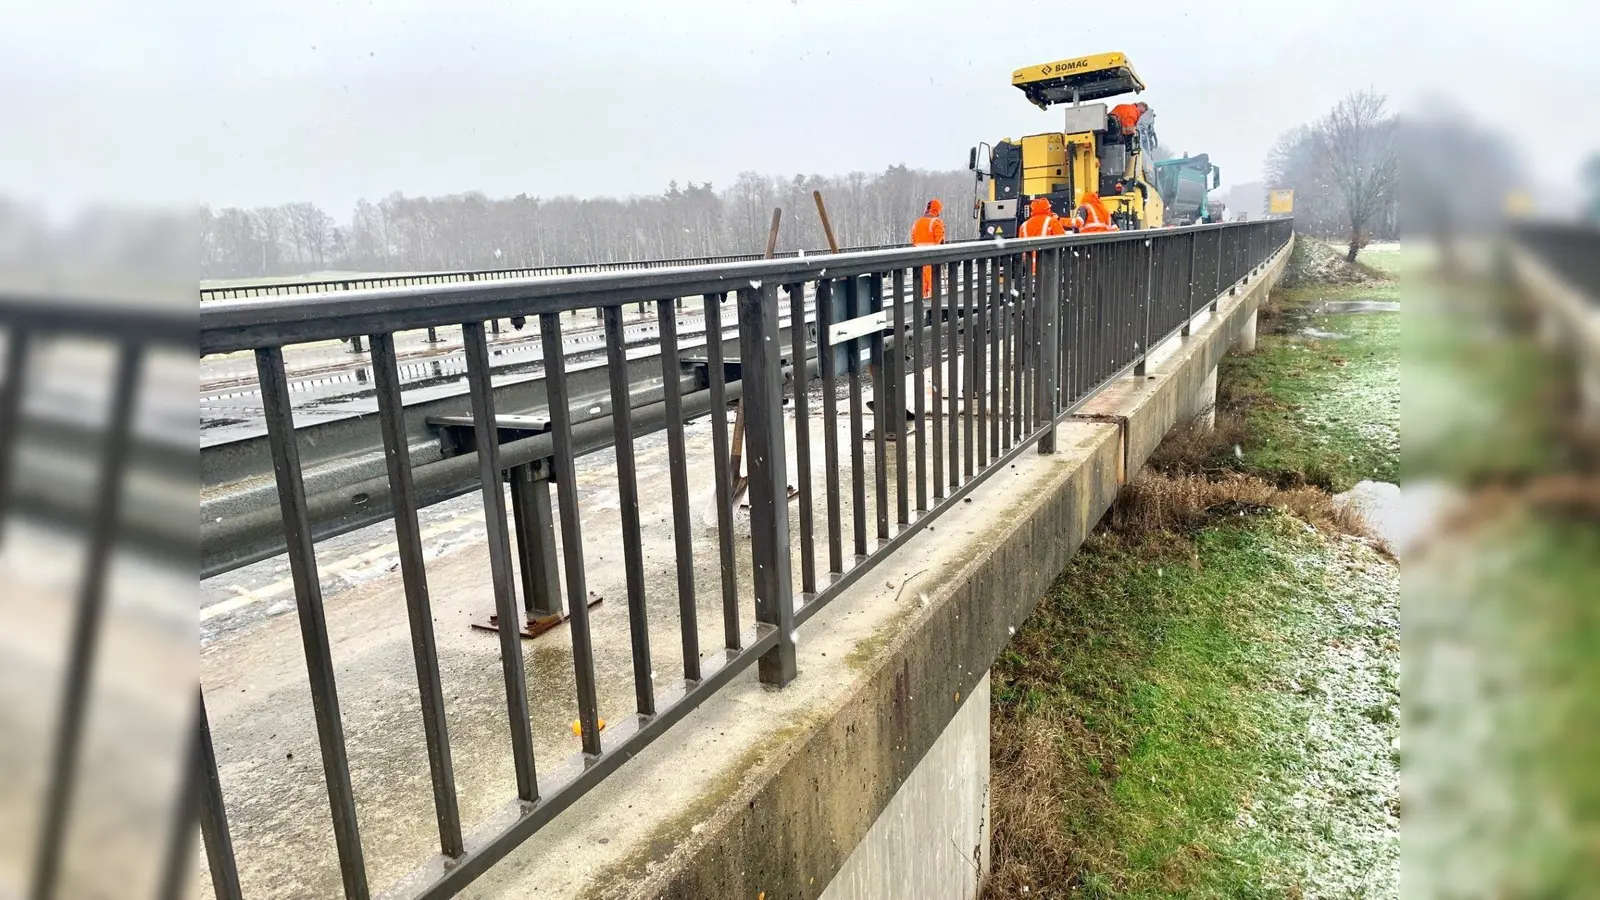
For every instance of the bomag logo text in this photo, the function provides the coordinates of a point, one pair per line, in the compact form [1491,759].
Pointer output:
[1071,66]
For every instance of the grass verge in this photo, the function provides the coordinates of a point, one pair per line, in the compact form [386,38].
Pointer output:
[1206,703]
[1319,402]
[1146,718]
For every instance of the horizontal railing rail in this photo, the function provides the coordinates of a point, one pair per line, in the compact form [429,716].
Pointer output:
[970,353]
[290,287]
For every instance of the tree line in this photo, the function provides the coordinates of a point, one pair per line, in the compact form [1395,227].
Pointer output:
[473,231]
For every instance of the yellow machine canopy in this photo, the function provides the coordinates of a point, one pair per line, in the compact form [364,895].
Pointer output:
[1085,78]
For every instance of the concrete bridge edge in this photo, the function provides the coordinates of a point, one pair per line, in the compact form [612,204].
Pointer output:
[788,827]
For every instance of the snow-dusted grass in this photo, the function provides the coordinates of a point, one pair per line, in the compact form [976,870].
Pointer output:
[1208,704]
[1321,401]
[1502,689]
[1208,715]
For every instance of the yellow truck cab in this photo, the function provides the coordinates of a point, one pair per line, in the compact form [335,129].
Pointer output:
[1090,154]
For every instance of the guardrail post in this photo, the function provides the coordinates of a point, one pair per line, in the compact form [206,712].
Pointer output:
[433,335]
[760,354]
[534,521]
[1047,397]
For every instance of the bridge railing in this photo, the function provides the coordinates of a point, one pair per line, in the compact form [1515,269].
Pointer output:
[79,472]
[1571,250]
[1007,339]
[291,287]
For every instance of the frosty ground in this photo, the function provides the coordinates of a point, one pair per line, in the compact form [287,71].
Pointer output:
[1207,703]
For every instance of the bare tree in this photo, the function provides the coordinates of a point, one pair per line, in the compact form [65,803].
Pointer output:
[1357,146]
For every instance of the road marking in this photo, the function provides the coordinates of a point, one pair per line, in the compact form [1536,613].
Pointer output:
[245,596]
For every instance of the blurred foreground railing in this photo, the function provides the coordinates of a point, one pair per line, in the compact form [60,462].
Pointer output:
[79,470]
[1008,339]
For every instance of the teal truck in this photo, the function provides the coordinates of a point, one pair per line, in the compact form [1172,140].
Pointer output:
[1184,184]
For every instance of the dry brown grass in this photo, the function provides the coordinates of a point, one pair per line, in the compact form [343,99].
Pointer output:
[1154,502]
[1198,446]
[1039,766]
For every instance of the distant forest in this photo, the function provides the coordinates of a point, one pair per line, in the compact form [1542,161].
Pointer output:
[473,231]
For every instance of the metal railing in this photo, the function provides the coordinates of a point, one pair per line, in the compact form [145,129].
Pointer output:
[94,465]
[1571,250]
[289,287]
[1010,338]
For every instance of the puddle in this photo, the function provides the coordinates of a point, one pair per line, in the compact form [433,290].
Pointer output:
[1297,321]
[1401,517]
[1329,307]
[1318,333]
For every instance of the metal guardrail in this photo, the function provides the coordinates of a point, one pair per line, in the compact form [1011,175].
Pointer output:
[1012,337]
[1572,251]
[291,288]
[96,466]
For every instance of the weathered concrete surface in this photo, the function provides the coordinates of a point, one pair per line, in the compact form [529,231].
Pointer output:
[757,790]
[1206,401]
[933,839]
[1247,335]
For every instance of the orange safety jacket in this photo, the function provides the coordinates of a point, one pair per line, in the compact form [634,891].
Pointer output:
[928,230]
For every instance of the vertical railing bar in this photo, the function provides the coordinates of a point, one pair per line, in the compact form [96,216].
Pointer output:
[628,501]
[919,402]
[559,401]
[1004,408]
[802,432]
[858,463]
[214,815]
[678,477]
[175,872]
[953,363]
[17,349]
[86,623]
[760,353]
[936,414]
[716,377]
[827,353]
[414,578]
[988,289]
[480,389]
[279,420]
[881,414]
[969,376]
[1024,353]
[1048,304]
[896,377]
[1002,294]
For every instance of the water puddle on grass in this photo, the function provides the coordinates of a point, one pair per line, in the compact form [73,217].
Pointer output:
[1330,307]
[1301,321]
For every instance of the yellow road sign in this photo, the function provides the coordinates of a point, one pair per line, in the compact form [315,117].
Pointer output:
[1280,203]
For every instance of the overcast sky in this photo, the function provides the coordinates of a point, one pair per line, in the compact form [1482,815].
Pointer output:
[256,102]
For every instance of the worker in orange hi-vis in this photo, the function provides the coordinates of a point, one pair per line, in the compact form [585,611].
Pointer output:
[1096,218]
[1042,222]
[928,231]
[1128,114]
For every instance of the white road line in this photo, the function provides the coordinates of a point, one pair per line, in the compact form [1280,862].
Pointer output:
[246,597]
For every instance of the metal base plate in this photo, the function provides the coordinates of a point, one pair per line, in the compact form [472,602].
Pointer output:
[532,626]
